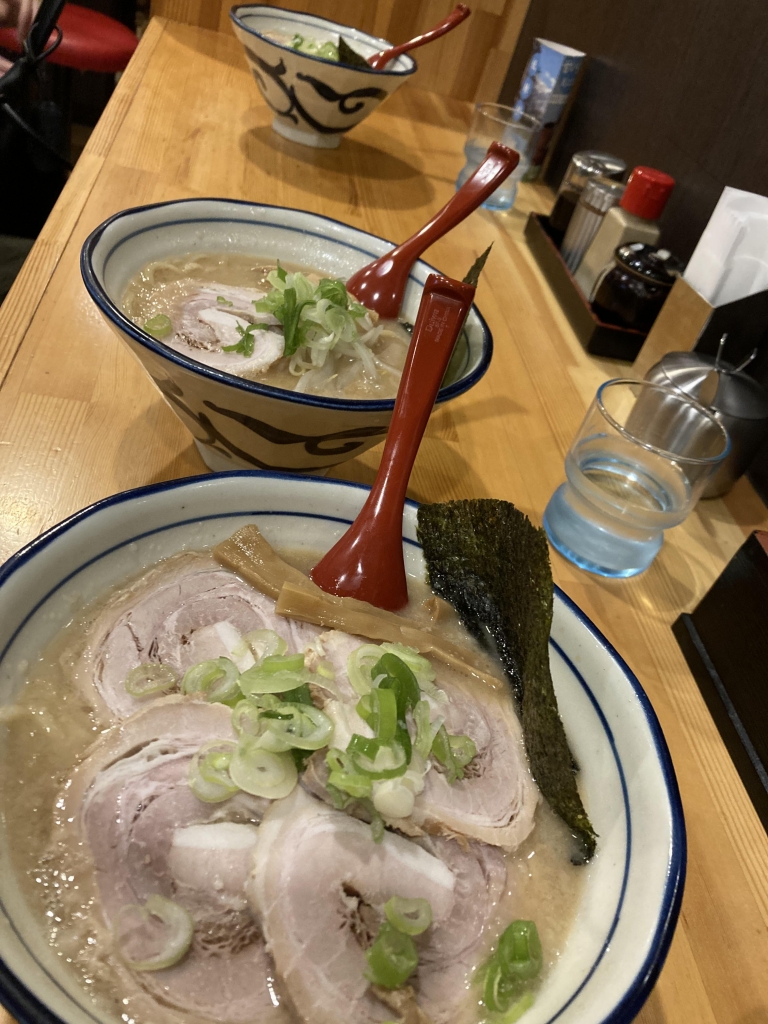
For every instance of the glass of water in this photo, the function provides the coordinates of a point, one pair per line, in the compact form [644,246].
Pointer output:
[493,122]
[636,468]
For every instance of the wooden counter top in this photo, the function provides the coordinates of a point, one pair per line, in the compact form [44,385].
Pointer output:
[80,420]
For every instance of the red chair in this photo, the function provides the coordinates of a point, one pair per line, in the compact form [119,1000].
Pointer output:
[91,41]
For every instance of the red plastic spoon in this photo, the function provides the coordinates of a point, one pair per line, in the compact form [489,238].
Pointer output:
[367,562]
[457,15]
[381,285]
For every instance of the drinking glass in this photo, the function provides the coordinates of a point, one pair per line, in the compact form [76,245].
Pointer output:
[636,468]
[493,122]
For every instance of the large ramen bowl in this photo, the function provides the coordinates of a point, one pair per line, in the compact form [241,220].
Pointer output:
[237,423]
[314,100]
[632,888]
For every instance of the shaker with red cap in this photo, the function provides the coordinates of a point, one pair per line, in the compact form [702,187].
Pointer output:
[633,220]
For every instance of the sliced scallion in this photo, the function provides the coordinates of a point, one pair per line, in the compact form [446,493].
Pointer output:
[159,326]
[277,673]
[209,777]
[392,798]
[359,665]
[215,679]
[150,679]
[412,917]
[261,772]
[519,951]
[426,729]
[152,936]
[375,759]
[265,642]
[463,749]
[392,958]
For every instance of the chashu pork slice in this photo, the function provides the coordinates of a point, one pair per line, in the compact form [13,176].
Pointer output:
[147,833]
[204,326]
[496,801]
[187,610]
[319,884]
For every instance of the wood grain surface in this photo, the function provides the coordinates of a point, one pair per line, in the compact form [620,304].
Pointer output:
[80,420]
[469,64]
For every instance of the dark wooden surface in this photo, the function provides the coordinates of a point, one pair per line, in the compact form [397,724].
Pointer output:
[682,86]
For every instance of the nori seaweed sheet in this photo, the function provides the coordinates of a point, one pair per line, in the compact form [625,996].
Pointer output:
[492,564]
[349,56]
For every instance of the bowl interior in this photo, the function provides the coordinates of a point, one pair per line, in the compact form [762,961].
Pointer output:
[259,19]
[632,887]
[119,249]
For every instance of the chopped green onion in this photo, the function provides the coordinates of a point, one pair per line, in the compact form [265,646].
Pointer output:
[359,665]
[222,301]
[351,783]
[519,951]
[208,776]
[160,927]
[265,642]
[147,680]
[463,749]
[441,750]
[275,674]
[412,917]
[399,678]
[393,798]
[426,729]
[246,719]
[375,759]
[326,670]
[499,991]
[247,342]
[159,326]
[215,679]
[261,772]
[378,709]
[417,663]
[302,726]
[392,958]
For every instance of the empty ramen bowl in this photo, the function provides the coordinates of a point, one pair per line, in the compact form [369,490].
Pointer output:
[239,423]
[315,100]
[632,888]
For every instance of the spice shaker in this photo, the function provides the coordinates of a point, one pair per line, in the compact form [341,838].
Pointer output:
[583,167]
[633,220]
[599,196]
[634,287]
[738,401]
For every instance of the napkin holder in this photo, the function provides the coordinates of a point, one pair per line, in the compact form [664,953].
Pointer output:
[598,338]
[688,322]
[725,642]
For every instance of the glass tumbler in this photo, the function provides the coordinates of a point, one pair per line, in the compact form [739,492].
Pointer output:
[636,468]
[493,122]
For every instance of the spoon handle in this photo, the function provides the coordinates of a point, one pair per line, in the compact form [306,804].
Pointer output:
[367,561]
[380,285]
[457,15]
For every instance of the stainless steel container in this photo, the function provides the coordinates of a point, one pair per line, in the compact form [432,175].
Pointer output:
[740,403]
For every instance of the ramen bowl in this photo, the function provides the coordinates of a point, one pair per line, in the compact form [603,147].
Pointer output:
[239,423]
[315,100]
[632,888]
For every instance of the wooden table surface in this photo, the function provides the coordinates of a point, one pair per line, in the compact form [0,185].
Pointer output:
[80,420]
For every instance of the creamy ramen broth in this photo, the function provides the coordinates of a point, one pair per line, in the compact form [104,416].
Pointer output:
[49,729]
[208,296]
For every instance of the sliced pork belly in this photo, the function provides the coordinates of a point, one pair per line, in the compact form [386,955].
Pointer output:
[186,611]
[149,835]
[319,884]
[496,800]
[203,325]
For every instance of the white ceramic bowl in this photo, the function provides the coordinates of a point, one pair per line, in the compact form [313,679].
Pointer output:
[237,423]
[315,100]
[633,887]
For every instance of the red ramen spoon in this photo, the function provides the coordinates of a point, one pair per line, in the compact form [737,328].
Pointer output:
[367,562]
[381,285]
[457,15]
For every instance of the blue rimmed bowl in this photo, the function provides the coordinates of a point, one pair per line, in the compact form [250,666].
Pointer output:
[237,423]
[632,888]
[314,100]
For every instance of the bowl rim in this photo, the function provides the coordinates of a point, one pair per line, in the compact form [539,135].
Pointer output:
[395,73]
[29,1009]
[113,313]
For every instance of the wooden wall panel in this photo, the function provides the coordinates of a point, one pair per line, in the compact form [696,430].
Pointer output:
[469,64]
